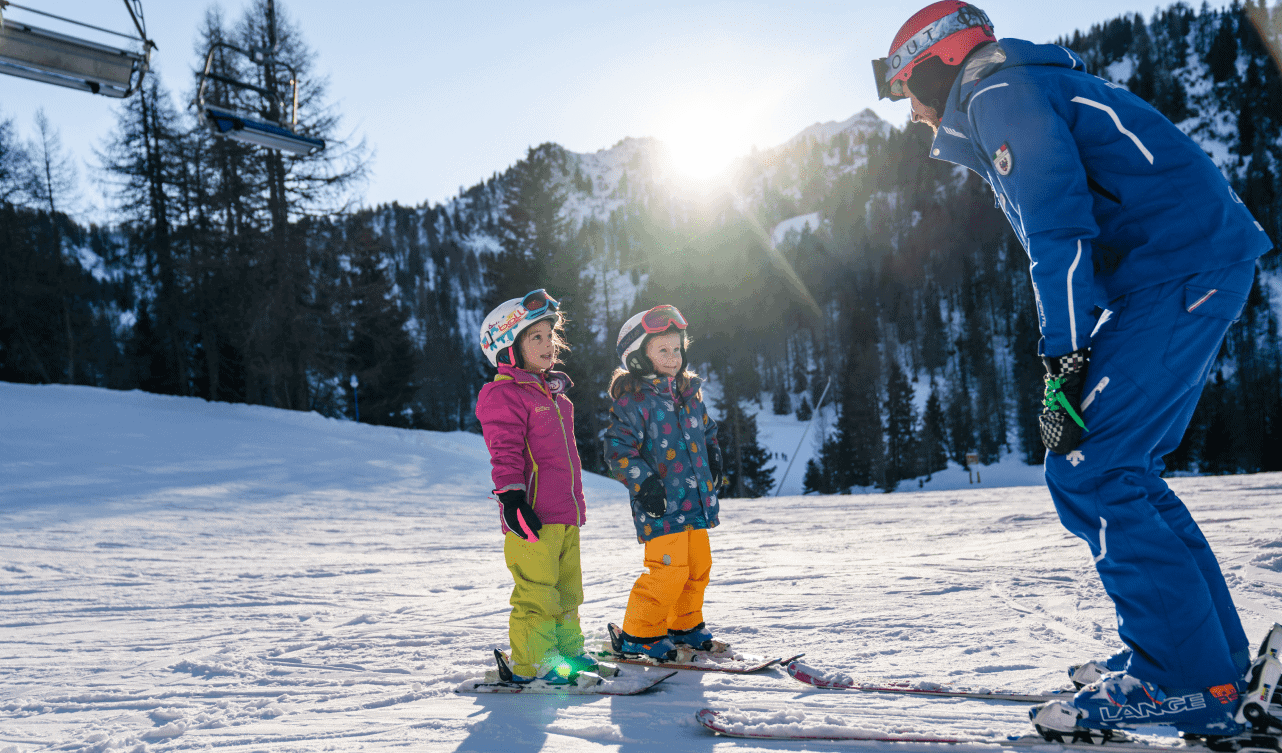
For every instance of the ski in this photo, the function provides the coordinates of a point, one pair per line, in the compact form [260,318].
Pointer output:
[836,681]
[585,683]
[630,683]
[720,659]
[793,726]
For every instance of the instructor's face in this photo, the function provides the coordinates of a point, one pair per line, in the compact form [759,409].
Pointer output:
[922,112]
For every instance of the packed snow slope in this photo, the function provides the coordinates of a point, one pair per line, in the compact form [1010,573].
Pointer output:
[176,575]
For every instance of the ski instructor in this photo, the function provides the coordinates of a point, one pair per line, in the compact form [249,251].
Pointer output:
[1119,212]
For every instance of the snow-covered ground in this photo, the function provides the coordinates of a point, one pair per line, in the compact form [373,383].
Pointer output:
[176,574]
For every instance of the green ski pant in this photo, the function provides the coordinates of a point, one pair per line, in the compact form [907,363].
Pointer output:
[545,601]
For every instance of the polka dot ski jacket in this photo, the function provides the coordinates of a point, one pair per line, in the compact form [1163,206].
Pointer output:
[657,432]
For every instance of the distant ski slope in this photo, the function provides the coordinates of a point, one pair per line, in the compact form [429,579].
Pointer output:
[179,574]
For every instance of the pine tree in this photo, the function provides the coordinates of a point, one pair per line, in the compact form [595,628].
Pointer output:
[141,159]
[381,354]
[13,164]
[901,427]
[781,402]
[1222,57]
[804,411]
[934,435]
[51,175]
[743,457]
[817,478]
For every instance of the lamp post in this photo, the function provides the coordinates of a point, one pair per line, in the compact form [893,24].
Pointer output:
[356,403]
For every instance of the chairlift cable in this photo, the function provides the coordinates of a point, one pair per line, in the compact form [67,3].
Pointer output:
[140,23]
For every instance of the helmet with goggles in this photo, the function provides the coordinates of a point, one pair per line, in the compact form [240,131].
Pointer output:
[947,30]
[503,326]
[637,330]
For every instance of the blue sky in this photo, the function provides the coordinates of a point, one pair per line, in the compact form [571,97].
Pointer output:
[448,93]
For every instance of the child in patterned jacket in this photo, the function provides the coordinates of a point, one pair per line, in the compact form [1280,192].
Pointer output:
[662,444]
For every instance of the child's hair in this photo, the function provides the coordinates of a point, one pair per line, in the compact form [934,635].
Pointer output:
[559,343]
[624,381]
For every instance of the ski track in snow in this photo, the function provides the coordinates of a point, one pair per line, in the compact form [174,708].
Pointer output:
[179,575]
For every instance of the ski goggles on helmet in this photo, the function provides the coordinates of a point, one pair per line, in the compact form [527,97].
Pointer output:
[660,318]
[536,302]
[891,72]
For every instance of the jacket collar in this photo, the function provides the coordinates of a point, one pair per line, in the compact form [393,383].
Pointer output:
[954,142]
[553,382]
[666,386]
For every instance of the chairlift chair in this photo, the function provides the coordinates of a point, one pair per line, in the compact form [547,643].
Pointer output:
[38,54]
[250,129]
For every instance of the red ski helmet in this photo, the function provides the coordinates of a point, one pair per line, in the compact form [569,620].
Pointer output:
[948,30]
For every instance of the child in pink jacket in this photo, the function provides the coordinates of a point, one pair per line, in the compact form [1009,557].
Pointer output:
[528,424]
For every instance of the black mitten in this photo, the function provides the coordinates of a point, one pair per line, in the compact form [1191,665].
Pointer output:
[714,466]
[519,516]
[651,498]
[1060,422]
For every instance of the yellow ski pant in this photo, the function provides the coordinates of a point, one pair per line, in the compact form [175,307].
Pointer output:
[546,599]
[670,596]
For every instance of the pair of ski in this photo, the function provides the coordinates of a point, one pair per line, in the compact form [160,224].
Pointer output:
[610,681]
[793,726]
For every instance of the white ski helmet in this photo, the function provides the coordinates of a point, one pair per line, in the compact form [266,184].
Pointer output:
[635,332]
[503,326]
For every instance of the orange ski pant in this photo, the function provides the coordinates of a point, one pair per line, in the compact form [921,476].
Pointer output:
[670,595]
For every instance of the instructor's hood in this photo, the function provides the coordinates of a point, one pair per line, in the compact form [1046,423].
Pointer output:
[952,143]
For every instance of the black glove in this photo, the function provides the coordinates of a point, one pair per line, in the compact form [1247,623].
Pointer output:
[1060,422]
[714,466]
[519,516]
[652,500]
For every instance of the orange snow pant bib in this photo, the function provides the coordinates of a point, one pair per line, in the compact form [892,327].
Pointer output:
[670,596]
[545,601]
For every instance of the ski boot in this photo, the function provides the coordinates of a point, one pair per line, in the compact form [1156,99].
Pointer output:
[659,648]
[1121,701]
[586,663]
[554,671]
[698,637]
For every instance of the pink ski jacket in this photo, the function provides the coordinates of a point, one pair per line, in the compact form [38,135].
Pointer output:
[528,424]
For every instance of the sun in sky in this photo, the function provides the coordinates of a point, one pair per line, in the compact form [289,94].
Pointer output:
[702,139]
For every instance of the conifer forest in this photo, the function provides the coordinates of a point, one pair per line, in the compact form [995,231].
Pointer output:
[240,274]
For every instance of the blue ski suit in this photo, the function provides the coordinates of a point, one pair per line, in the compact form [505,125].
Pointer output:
[1120,211]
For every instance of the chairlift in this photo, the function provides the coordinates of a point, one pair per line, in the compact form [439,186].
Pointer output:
[252,129]
[38,54]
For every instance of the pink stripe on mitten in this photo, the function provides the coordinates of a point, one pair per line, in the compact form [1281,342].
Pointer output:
[530,535]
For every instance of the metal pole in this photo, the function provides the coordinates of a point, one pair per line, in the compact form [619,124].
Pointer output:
[803,435]
[356,403]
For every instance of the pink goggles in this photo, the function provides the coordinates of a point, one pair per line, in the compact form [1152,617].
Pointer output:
[660,318]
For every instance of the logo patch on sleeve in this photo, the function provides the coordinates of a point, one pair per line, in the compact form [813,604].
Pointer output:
[1003,160]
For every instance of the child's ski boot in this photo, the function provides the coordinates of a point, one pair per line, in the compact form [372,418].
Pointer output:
[698,637]
[552,672]
[659,648]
